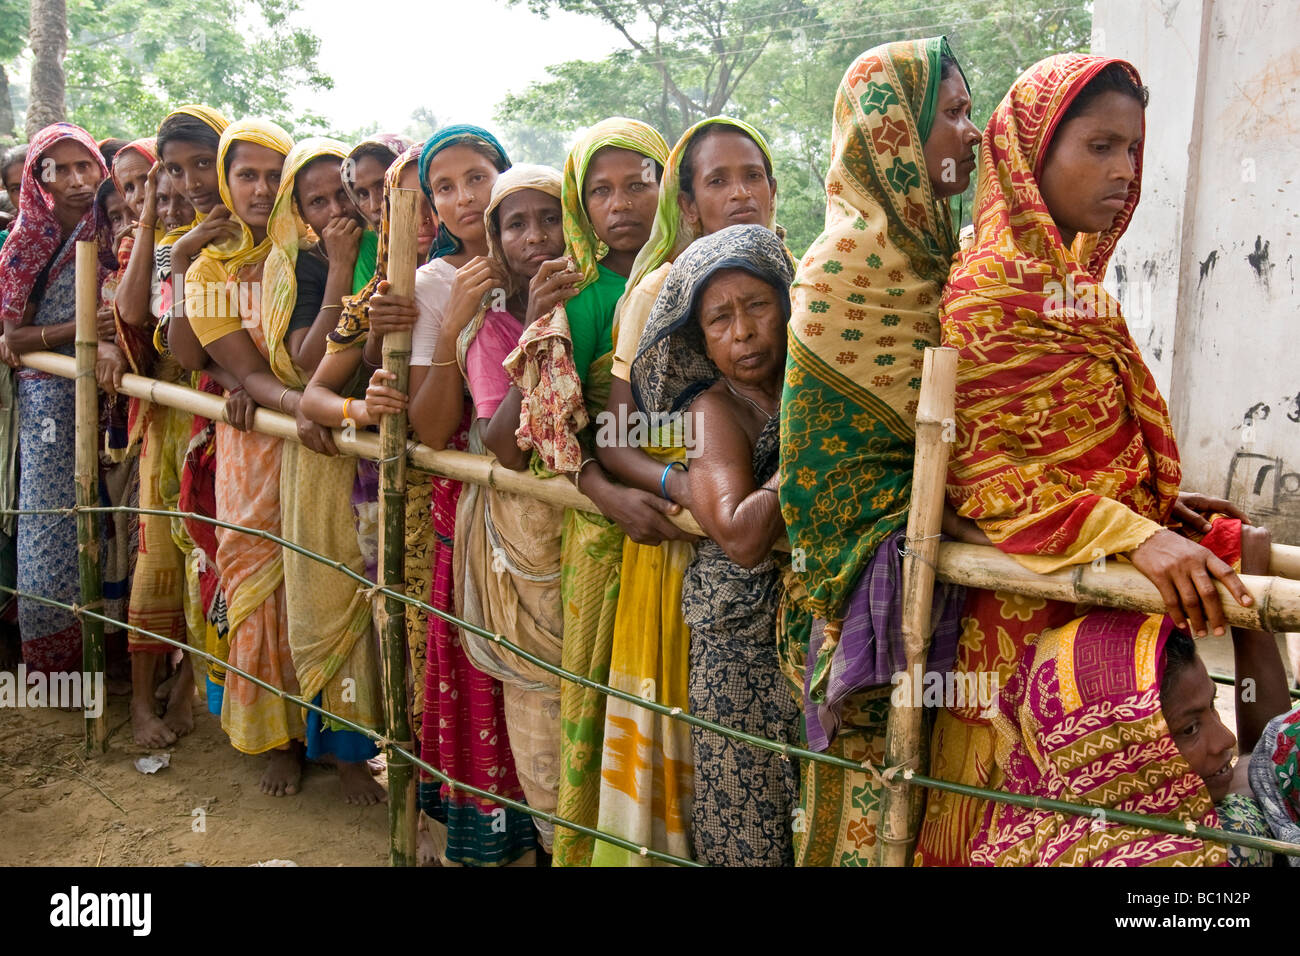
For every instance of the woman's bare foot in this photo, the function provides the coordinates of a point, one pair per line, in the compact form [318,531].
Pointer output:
[283,771]
[377,765]
[179,716]
[426,851]
[146,728]
[359,787]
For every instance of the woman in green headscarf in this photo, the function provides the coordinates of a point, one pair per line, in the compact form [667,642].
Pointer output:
[865,307]
[609,196]
[719,174]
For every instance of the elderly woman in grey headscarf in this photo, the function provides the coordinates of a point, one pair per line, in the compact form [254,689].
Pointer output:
[714,348]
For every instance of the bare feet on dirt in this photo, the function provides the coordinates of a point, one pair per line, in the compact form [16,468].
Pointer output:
[359,787]
[284,771]
[179,716]
[147,728]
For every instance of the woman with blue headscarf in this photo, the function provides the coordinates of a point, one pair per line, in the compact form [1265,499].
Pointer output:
[463,730]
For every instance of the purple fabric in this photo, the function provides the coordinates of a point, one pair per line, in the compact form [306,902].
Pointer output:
[870,649]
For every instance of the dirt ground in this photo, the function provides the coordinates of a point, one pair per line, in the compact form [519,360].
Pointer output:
[59,808]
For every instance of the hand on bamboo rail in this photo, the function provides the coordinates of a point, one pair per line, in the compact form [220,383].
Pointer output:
[1183,571]
[1275,604]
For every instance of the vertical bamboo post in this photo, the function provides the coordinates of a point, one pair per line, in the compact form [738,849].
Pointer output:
[86,468]
[391,614]
[900,802]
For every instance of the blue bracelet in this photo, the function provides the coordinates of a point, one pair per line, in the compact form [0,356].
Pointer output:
[663,479]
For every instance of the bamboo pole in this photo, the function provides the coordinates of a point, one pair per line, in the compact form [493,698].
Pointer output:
[86,468]
[1285,561]
[901,803]
[459,465]
[1113,584]
[391,613]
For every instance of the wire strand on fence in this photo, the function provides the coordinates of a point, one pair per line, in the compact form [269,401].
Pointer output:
[888,774]
[373,735]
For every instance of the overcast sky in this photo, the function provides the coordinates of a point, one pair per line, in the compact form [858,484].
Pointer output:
[458,58]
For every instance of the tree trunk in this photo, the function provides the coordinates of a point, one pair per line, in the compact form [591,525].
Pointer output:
[48,35]
[6,106]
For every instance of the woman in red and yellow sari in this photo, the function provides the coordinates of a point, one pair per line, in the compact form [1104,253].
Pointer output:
[1065,453]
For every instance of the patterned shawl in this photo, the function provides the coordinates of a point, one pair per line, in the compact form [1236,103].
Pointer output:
[865,303]
[218,122]
[1064,445]
[672,365]
[234,254]
[580,239]
[36,238]
[1080,720]
[392,142]
[447,244]
[354,321]
[1275,776]
[286,230]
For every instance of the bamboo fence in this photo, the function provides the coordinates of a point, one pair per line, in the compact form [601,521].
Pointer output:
[1112,583]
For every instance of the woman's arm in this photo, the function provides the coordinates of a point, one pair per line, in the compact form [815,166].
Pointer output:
[308,345]
[743,518]
[1258,671]
[322,399]
[136,288]
[499,432]
[626,462]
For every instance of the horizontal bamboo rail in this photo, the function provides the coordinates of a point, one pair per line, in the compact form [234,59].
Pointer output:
[459,465]
[1116,583]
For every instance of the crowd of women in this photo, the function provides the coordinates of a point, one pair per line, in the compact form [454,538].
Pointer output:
[644,283]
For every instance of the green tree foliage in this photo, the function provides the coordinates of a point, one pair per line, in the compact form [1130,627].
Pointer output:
[776,64]
[129,61]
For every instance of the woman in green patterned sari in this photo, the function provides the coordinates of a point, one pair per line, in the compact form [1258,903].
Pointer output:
[865,307]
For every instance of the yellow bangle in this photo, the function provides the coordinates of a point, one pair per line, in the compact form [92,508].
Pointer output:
[443,364]
[44,329]
[347,417]
[280,401]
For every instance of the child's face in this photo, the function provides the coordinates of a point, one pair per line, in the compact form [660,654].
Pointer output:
[1202,739]
[621,192]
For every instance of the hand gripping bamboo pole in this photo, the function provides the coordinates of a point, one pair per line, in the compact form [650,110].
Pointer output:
[391,615]
[901,803]
[86,468]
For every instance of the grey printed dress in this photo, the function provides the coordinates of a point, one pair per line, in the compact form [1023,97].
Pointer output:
[744,796]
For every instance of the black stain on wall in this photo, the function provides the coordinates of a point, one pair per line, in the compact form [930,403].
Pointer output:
[1210,262]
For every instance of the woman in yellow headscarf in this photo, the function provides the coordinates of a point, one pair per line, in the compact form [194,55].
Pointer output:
[610,191]
[223,304]
[719,174]
[328,615]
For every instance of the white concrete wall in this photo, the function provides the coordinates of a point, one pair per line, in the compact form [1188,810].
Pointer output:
[1206,272]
